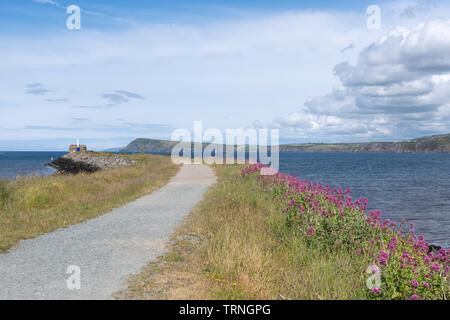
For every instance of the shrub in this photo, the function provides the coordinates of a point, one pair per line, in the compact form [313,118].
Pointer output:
[329,220]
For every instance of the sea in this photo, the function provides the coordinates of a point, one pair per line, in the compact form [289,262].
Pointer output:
[22,164]
[415,187]
[411,186]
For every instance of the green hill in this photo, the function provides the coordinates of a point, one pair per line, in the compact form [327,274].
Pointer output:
[149,145]
[428,144]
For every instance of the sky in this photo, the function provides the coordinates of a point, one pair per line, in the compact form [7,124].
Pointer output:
[141,69]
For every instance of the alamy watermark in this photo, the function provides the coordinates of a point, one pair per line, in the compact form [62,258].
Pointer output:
[239,146]
[374,20]
[73,22]
[374,281]
[73,282]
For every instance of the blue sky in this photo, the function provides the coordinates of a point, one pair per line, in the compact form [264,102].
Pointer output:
[24,16]
[145,68]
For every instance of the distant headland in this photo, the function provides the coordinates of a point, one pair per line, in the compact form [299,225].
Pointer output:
[428,144]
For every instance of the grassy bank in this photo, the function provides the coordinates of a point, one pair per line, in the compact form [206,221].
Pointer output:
[36,205]
[271,238]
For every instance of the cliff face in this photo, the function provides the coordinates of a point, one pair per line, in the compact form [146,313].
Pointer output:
[77,162]
[430,144]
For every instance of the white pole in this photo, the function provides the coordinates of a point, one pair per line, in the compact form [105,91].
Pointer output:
[78,142]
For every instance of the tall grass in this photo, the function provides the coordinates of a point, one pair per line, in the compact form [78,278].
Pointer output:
[245,250]
[251,243]
[329,220]
[4,191]
[36,205]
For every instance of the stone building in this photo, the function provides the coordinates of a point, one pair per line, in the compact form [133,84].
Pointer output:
[77,147]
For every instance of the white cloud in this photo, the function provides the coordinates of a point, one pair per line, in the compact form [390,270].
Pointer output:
[239,68]
[400,85]
[231,73]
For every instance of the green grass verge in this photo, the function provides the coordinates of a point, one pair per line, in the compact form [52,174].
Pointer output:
[236,245]
[36,205]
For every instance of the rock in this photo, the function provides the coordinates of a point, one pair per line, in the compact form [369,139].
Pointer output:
[87,161]
[433,248]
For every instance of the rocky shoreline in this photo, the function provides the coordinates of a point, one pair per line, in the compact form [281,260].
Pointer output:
[87,162]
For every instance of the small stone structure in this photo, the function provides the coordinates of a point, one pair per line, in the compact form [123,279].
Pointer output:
[77,148]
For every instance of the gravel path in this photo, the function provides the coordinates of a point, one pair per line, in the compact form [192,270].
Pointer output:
[106,249]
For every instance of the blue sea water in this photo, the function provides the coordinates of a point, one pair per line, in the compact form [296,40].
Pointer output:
[15,164]
[411,186]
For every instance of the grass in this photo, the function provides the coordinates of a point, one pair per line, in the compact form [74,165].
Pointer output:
[35,205]
[236,245]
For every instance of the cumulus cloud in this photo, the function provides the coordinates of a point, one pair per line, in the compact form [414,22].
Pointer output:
[228,73]
[399,83]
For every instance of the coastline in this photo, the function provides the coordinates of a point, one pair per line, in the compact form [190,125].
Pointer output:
[23,164]
[389,180]
[260,218]
[88,162]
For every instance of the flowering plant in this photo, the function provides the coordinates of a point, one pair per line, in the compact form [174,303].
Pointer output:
[330,220]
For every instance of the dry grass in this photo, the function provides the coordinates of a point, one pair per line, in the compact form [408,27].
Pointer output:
[36,205]
[236,245]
